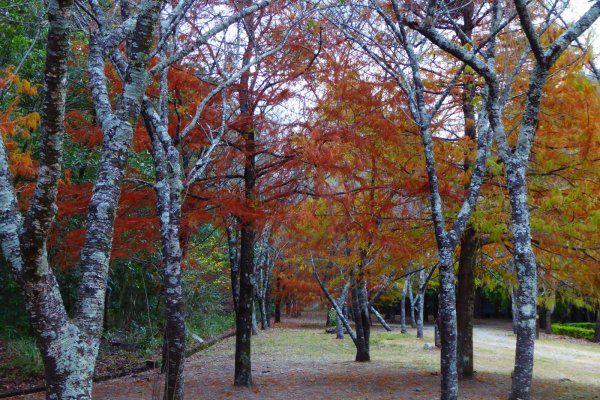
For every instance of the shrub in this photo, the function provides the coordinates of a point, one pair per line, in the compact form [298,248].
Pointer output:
[573,331]
[332,317]
[584,325]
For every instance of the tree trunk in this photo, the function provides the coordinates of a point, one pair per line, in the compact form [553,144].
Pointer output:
[243,367]
[278,311]
[436,333]
[175,320]
[468,241]
[264,322]
[267,301]
[447,318]
[597,328]
[514,308]
[168,207]
[465,302]
[420,303]
[403,305]
[339,331]
[69,367]
[549,312]
[234,262]
[380,319]
[411,300]
[361,321]
[524,260]
[69,347]
[254,323]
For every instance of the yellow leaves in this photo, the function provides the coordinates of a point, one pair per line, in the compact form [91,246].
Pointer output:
[22,165]
[30,121]
[13,125]
[24,86]
[21,126]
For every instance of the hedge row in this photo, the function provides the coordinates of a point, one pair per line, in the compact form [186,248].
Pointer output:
[584,325]
[573,331]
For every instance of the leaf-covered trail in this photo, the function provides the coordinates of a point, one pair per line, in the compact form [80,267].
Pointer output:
[296,360]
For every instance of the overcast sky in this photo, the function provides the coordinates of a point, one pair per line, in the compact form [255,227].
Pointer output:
[577,8]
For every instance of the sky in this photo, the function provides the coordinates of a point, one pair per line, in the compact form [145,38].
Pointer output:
[576,9]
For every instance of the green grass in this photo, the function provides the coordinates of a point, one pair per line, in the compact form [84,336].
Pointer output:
[23,358]
[392,348]
[210,326]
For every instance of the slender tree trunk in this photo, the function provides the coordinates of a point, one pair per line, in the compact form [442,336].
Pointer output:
[254,322]
[168,206]
[549,312]
[515,308]
[264,322]
[234,262]
[411,300]
[436,333]
[337,308]
[278,311]
[361,323]
[447,319]
[527,275]
[420,303]
[267,301]
[465,302]
[597,328]
[550,304]
[403,305]
[469,241]
[243,367]
[341,304]
[381,319]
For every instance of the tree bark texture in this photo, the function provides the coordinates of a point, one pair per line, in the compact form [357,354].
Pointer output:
[420,303]
[514,308]
[168,205]
[403,305]
[465,302]
[361,320]
[447,322]
[525,265]
[68,347]
[380,319]
[411,301]
[254,322]
[597,327]
[234,262]
[243,367]
[341,303]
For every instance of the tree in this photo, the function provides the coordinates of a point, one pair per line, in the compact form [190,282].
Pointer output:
[516,162]
[69,346]
[172,183]
[423,111]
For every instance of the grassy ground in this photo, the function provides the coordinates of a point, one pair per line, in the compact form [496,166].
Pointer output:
[21,364]
[297,360]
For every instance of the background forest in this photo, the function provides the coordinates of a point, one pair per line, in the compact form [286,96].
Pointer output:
[173,171]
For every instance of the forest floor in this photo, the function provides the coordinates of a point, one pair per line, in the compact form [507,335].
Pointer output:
[297,360]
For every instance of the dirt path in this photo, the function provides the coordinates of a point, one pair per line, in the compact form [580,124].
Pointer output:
[298,361]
